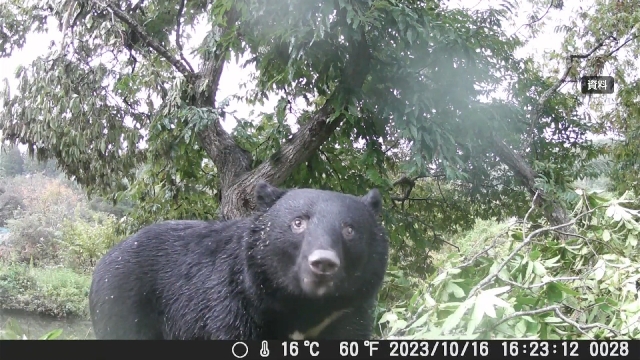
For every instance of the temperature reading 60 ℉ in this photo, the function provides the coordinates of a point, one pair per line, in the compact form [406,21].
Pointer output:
[350,348]
[291,348]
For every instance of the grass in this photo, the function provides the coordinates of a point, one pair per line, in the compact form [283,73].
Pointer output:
[58,292]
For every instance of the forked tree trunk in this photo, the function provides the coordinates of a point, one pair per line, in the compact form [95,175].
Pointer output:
[237,177]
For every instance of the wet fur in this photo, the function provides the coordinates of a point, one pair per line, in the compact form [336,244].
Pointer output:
[222,280]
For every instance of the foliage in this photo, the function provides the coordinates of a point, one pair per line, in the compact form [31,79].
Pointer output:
[56,226]
[612,25]
[13,331]
[52,247]
[11,161]
[54,291]
[86,241]
[524,284]
[101,205]
[159,195]
[46,168]
[9,205]
[395,122]
[35,230]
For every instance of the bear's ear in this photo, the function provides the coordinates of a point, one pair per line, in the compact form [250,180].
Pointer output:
[266,195]
[373,200]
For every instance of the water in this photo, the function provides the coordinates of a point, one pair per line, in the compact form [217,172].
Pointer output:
[4,233]
[36,325]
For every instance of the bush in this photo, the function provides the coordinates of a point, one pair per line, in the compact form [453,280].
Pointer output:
[9,205]
[41,194]
[86,241]
[56,291]
[35,231]
[11,161]
[33,238]
[101,205]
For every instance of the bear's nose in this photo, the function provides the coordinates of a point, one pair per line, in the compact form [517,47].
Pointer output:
[324,262]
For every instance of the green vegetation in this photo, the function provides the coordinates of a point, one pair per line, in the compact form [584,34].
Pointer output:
[53,243]
[13,331]
[57,292]
[515,282]
[506,218]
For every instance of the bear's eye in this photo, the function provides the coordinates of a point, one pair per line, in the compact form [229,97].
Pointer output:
[298,225]
[347,232]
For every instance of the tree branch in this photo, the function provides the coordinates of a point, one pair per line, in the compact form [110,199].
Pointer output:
[230,159]
[556,309]
[125,18]
[554,212]
[497,240]
[178,41]
[306,141]
[630,37]
[537,112]
[489,278]
[551,3]
[533,205]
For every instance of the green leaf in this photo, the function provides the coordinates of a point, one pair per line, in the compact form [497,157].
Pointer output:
[520,329]
[454,319]
[554,293]
[51,335]
[538,268]
[455,289]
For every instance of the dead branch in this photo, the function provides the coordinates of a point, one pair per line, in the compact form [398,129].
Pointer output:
[533,206]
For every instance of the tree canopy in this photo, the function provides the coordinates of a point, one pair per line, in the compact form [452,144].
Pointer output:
[397,94]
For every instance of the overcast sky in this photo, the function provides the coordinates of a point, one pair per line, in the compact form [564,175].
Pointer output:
[233,75]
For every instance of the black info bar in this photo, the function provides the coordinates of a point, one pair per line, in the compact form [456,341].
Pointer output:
[325,349]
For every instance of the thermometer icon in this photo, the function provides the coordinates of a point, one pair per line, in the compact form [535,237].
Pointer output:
[264,351]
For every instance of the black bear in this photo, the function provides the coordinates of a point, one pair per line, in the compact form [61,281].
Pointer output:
[307,264]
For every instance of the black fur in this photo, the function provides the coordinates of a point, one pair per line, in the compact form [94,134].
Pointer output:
[242,279]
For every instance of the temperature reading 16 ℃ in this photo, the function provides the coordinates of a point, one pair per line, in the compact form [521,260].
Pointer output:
[291,348]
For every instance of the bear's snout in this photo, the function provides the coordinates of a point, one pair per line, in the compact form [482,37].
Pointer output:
[324,262]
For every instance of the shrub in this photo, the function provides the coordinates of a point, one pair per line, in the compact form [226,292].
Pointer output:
[54,291]
[35,231]
[33,239]
[86,241]
[9,205]
[40,193]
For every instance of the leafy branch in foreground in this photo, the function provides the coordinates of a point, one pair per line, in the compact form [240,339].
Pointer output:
[13,331]
[585,286]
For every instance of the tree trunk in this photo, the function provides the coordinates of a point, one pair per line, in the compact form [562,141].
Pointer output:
[237,178]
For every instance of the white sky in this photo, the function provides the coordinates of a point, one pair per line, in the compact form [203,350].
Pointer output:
[233,75]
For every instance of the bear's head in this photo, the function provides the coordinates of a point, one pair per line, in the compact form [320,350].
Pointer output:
[317,243]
